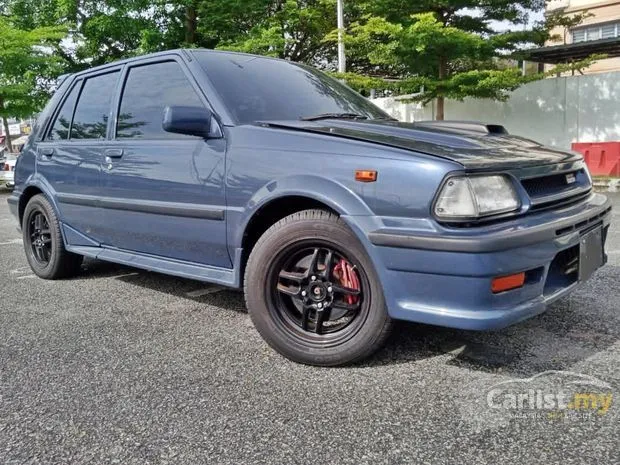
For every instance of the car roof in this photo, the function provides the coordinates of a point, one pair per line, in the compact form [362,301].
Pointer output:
[188,53]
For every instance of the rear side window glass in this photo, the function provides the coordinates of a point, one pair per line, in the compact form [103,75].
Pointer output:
[60,129]
[148,90]
[91,114]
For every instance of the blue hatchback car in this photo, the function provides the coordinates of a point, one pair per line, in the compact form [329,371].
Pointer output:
[336,219]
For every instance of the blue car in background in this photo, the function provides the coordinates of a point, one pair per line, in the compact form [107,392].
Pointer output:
[334,218]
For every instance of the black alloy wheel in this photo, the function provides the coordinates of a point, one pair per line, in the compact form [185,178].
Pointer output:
[40,237]
[312,291]
[43,241]
[309,297]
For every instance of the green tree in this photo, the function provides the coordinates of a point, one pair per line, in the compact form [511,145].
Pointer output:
[27,69]
[100,31]
[443,48]
[290,29]
[106,30]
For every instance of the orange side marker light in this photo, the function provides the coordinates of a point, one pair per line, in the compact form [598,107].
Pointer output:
[506,283]
[365,175]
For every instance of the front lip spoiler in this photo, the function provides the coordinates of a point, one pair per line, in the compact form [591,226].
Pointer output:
[492,242]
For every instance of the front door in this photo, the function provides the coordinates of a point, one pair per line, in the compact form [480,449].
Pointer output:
[163,193]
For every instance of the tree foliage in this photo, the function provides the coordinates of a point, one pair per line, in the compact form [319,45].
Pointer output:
[294,30]
[435,48]
[27,68]
[443,48]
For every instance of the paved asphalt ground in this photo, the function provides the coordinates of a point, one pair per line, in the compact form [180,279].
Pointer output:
[125,366]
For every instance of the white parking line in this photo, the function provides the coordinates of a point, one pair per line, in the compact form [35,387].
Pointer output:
[21,269]
[124,275]
[28,276]
[11,242]
[204,291]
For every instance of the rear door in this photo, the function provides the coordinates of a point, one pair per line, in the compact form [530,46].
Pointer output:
[164,192]
[69,156]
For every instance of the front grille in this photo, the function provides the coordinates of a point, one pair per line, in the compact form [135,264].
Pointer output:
[555,190]
[550,185]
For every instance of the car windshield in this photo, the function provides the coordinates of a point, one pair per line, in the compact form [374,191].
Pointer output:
[263,89]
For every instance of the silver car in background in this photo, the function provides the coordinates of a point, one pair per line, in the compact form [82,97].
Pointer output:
[7,173]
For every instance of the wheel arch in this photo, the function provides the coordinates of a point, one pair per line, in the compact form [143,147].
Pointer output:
[28,193]
[33,186]
[284,197]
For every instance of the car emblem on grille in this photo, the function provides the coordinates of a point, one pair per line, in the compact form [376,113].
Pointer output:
[570,178]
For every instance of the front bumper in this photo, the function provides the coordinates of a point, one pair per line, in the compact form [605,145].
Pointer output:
[445,278]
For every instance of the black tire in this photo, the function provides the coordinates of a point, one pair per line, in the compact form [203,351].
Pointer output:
[43,244]
[271,311]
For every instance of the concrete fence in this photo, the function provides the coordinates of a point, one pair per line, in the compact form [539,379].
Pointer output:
[554,111]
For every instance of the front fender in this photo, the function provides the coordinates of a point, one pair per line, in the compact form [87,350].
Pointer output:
[336,196]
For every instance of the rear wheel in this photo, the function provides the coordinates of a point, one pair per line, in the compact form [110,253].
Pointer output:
[312,292]
[43,242]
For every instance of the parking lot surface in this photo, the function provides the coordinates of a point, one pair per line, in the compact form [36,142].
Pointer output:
[125,366]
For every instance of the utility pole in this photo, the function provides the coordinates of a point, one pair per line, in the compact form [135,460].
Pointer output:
[342,59]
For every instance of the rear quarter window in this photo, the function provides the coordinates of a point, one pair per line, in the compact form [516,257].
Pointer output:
[62,123]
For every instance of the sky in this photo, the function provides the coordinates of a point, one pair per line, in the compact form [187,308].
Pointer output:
[504,25]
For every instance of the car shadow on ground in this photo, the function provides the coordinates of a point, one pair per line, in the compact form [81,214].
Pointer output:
[569,332]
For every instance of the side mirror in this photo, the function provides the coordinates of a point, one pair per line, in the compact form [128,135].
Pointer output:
[191,121]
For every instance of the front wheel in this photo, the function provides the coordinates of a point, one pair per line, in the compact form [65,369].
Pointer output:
[312,291]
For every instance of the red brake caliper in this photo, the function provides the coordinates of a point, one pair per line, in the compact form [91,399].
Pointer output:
[345,273]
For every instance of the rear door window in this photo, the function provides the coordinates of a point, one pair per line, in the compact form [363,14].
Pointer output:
[60,129]
[91,114]
[148,90]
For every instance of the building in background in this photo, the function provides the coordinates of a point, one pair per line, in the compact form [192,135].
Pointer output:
[14,128]
[19,131]
[598,33]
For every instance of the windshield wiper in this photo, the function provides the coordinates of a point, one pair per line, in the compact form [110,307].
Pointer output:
[333,116]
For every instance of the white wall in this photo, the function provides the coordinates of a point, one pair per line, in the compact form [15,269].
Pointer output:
[554,111]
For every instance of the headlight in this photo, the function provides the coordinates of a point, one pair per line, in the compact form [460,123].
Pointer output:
[473,197]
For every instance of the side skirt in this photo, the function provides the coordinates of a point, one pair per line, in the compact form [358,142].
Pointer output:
[224,276]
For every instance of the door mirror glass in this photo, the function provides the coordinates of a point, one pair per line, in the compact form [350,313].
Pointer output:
[191,121]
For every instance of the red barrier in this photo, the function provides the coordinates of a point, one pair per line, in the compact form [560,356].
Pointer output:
[602,158]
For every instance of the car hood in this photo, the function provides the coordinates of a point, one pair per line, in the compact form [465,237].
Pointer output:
[472,149]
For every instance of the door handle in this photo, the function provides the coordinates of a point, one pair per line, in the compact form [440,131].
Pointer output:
[113,153]
[46,151]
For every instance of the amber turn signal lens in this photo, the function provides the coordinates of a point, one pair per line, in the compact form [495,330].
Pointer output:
[366,175]
[506,283]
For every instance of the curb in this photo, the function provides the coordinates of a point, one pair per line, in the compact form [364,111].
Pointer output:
[606,185]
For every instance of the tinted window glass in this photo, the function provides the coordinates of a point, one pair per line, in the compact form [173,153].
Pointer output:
[148,90]
[91,115]
[256,89]
[60,130]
